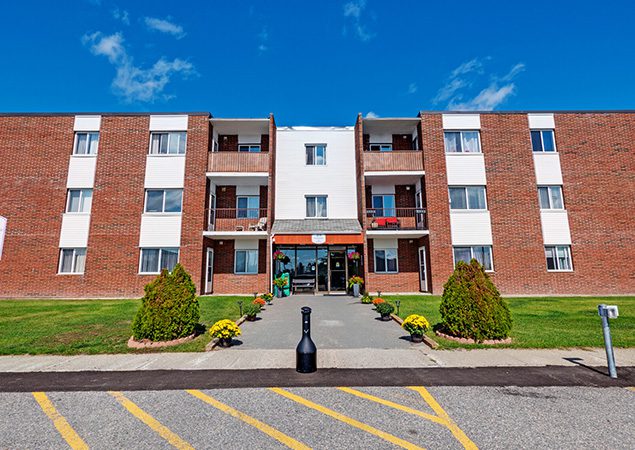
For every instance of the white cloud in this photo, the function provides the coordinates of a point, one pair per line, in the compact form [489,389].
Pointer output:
[371,115]
[495,93]
[132,82]
[263,37]
[121,15]
[354,10]
[412,88]
[164,26]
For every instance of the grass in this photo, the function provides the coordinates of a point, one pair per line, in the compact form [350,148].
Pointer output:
[70,327]
[542,322]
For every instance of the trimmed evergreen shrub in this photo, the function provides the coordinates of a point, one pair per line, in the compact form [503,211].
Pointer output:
[472,307]
[169,309]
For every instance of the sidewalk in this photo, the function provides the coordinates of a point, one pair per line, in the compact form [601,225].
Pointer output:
[362,358]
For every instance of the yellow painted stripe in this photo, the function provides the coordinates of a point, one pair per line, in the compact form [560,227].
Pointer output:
[347,420]
[452,426]
[269,430]
[63,427]
[171,437]
[631,388]
[394,405]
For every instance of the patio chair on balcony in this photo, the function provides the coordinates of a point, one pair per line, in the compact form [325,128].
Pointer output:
[260,226]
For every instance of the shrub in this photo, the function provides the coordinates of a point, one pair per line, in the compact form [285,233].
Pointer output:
[415,324]
[472,307]
[251,309]
[169,309]
[259,301]
[367,299]
[378,300]
[267,296]
[384,308]
[224,329]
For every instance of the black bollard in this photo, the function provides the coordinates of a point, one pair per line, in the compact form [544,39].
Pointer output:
[306,351]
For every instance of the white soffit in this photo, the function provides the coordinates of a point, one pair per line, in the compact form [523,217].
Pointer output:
[541,120]
[168,123]
[461,121]
[87,123]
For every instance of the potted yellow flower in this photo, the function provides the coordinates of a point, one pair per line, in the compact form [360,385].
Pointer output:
[416,325]
[224,330]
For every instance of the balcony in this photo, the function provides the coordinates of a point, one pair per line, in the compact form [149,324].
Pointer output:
[392,219]
[238,162]
[237,219]
[396,160]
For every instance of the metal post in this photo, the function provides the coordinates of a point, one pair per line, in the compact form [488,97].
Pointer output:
[240,307]
[306,351]
[608,342]
[398,303]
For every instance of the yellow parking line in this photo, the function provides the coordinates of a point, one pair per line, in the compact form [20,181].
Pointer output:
[394,405]
[631,388]
[452,426]
[172,438]
[63,427]
[277,435]
[347,420]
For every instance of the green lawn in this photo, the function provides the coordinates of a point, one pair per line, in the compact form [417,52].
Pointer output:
[72,327]
[543,322]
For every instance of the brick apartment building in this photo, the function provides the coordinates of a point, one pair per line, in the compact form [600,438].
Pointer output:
[94,205]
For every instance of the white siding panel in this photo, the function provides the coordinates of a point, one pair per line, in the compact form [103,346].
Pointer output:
[74,230]
[168,123]
[378,189]
[383,138]
[160,231]
[471,228]
[249,139]
[246,244]
[537,121]
[555,227]
[461,121]
[465,169]
[379,243]
[81,172]
[336,179]
[165,171]
[547,166]
[247,190]
[87,123]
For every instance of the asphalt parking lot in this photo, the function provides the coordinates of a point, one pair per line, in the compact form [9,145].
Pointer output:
[323,417]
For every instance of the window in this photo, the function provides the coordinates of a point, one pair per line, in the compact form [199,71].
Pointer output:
[470,197]
[153,260]
[247,207]
[543,141]
[163,200]
[86,143]
[250,148]
[316,155]
[384,205]
[316,206]
[550,197]
[386,260]
[72,260]
[79,200]
[381,147]
[462,142]
[558,258]
[482,253]
[246,262]
[172,143]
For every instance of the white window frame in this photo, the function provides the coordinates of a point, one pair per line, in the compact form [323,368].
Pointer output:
[467,198]
[90,136]
[462,152]
[250,148]
[314,146]
[549,189]
[236,272]
[542,141]
[375,250]
[81,200]
[170,135]
[316,196]
[557,263]
[178,257]
[380,147]
[471,247]
[73,261]
[163,211]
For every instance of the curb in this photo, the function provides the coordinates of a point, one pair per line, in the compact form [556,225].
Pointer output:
[214,342]
[427,340]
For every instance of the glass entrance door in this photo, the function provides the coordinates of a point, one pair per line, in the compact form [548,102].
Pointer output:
[337,270]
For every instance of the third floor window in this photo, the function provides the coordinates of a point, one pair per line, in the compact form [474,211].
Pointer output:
[550,197]
[543,141]
[462,142]
[163,200]
[316,206]
[168,143]
[316,155]
[79,200]
[86,143]
[468,197]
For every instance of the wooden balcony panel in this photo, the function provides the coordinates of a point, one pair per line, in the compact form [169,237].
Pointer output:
[393,161]
[238,162]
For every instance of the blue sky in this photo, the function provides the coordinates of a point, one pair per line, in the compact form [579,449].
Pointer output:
[316,63]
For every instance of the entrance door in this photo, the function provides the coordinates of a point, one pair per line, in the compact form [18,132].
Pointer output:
[337,270]
[209,270]
[422,269]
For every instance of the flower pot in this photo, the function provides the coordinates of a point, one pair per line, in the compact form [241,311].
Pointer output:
[225,342]
[385,317]
[356,290]
[417,338]
[278,292]
[251,318]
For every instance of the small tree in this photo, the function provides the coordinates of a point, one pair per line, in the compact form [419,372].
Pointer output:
[169,309]
[472,307]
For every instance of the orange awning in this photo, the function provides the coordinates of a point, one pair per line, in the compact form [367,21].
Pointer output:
[308,239]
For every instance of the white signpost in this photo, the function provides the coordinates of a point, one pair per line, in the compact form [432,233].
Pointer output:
[3,232]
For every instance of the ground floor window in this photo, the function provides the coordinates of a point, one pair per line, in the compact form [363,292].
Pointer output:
[558,257]
[482,253]
[72,260]
[246,262]
[386,260]
[153,260]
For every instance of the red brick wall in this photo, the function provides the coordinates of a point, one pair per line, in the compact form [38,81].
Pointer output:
[264,142]
[407,280]
[401,142]
[227,142]
[405,196]
[225,281]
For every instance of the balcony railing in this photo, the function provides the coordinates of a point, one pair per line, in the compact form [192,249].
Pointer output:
[396,219]
[238,162]
[393,161]
[237,219]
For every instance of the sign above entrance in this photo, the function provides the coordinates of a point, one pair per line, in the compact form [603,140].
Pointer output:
[318,238]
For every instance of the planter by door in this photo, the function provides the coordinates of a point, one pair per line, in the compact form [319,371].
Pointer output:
[356,290]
